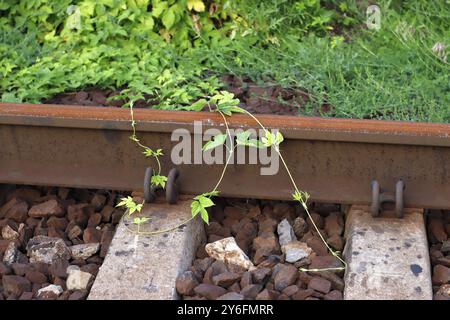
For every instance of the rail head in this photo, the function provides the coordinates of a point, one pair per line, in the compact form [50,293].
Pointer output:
[164,121]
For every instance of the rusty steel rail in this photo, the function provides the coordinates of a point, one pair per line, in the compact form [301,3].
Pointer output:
[335,160]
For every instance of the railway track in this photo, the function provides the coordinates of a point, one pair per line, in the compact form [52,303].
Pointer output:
[89,147]
[359,164]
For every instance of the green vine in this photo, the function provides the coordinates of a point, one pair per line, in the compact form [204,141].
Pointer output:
[226,105]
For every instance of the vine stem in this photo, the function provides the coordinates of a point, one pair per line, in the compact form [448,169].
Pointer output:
[303,203]
[231,151]
[135,139]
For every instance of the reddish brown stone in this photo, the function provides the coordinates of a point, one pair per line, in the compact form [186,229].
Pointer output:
[267,225]
[4,269]
[186,283]
[246,279]
[107,212]
[15,285]
[318,220]
[317,245]
[302,294]
[59,268]
[441,275]
[286,276]
[319,284]
[36,277]
[291,290]
[46,209]
[225,279]
[267,295]
[234,213]
[323,262]
[58,223]
[251,291]
[78,295]
[209,291]
[261,275]
[436,228]
[333,295]
[92,235]
[334,224]
[18,212]
[94,220]
[98,201]
[235,287]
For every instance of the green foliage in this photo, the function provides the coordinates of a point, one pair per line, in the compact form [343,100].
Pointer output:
[272,139]
[159,180]
[199,205]
[226,103]
[172,53]
[139,221]
[130,205]
[217,140]
[243,139]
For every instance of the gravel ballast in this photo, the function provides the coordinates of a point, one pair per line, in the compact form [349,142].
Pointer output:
[53,240]
[278,238]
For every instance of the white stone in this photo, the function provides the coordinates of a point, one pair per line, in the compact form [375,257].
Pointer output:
[9,233]
[84,251]
[47,249]
[285,232]
[11,254]
[295,251]
[50,290]
[227,251]
[78,280]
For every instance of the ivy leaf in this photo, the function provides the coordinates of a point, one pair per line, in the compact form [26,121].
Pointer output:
[243,139]
[205,216]
[158,180]
[198,105]
[139,221]
[205,202]
[158,8]
[218,140]
[195,207]
[197,5]
[168,18]
[200,203]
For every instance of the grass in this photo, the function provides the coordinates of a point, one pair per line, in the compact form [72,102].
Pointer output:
[389,74]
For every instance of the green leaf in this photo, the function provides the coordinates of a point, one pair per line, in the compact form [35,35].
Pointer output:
[205,202]
[205,216]
[197,5]
[198,105]
[158,8]
[195,207]
[168,18]
[139,221]
[279,138]
[218,140]
[158,180]
[211,194]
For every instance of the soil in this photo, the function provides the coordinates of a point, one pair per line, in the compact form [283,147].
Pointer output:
[255,226]
[257,99]
[46,234]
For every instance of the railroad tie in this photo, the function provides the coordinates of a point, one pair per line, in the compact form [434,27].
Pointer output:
[387,257]
[144,267]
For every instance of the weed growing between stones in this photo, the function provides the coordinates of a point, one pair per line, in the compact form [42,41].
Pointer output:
[225,104]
